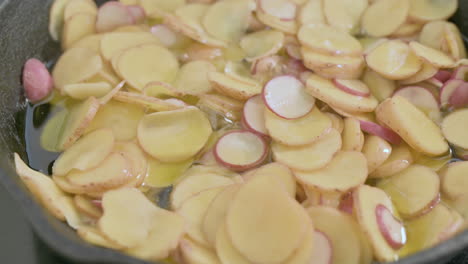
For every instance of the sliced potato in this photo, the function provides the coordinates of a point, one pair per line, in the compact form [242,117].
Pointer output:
[147,63]
[277,172]
[455,44]
[226,252]
[147,102]
[377,151]
[56,18]
[158,8]
[432,56]
[312,13]
[337,121]
[138,162]
[308,157]
[265,243]
[433,34]
[427,71]
[94,237]
[76,65]
[394,60]
[161,174]
[192,253]
[306,250]
[114,43]
[85,90]
[77,27]
[86,206]
[454,179]
[193,78]
[261,44]
[380,87]
[224,105]
[286,26]
[412,190]
[353,137]
[329,66]
[86,153]
[51,132]
[344,14]
[234,88]
[75,7]
[78,120]
[429,10]
[347,170]
[453,127]
[384,17]
[412,125]
[297,132]
[399,159]
[326,91]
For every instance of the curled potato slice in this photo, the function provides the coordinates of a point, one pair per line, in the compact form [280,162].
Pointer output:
[270,243]
[328,39]
[147,102]
[454,127]
[377,151]
[329,66]
[353,137]
[86,153]
[412,125]
[77,27]
[399,159]
[384,17]
[326,91]
[347,170]
[286,26]
[193,78]
[147,63]
[86,90]
[297,132]
[116,42]
[412,190]
[261,44]
[308,157]
[76,65]
[176,135]
[394,60]
[234,88]
[453,179]
[219,22]
[429,10]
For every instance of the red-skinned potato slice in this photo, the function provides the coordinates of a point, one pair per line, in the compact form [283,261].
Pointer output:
[253,115]
[427,10]
[384,17]
[161,140]
[453,126]
[459,97]
[297,132]
[326,91]
[347,170]
[380,131]
[366,201]
[240,150]
[352,135]
[445,75]
[113,15]
[137,12]
[412,190]
[394,60]
[341,233]
[447,91]
[377,151]
[399,160]
[308,157]
[391,228]
[354,87]
[256,242]
[286,97]
[381,88]
[453,179]
[412,125]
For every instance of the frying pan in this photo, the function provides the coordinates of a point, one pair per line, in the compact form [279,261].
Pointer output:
[23,34]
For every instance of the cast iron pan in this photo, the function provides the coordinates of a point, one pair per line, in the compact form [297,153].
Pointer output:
[23,34]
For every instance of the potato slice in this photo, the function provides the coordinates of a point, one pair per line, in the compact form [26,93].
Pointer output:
[176,135]
[147,102]
[383,18]
[326,91]
[341,67]
[277,172]
[82,91]
[312,13]
[93,236]
[306,250]
[337,121]
[234,88]
[377,151]
[192,253]
[429,10]
[56,18]
[193,78]
[86,206]
[454,179]
[453,127]
[286,26]
[297,132]
[220,24]
[77,27]
[129,208]
[412,190]
[308,157]
[433,34]
[394,60]
[138,162]
[193,211]
[74,7]
[347,170]
[412,125]
[432,56]
[76,65]
[147,63]
[262,43]
[344,14]
[114,43]
[195,184]
[353,137]
[42,188]
[158,8]
[51,132]
[161,174]
[328,39]
[167,229]
[86,153]
[399,159]
[214,218]
[226,252]
[455,44]
[381,88]
[78,120]
[342,232]
[427,71]
[265,243]
[366,199]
